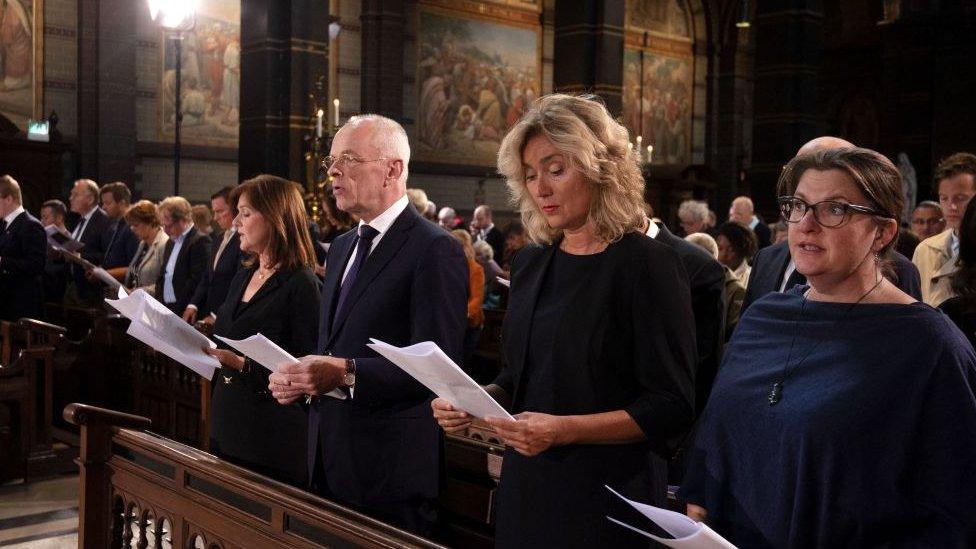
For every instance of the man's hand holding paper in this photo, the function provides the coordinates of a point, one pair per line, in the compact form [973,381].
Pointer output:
[311,375]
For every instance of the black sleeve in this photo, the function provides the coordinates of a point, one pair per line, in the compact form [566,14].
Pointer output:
[708,306]
[305,299]
[200,294]
[198,258]
[664,353]
[34,245]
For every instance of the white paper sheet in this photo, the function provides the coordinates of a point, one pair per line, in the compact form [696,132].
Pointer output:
[428,364]
[504,281]
[268,354]
[687,533]
[156,326]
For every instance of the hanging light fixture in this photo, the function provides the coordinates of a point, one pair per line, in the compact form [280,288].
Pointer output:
[743,22]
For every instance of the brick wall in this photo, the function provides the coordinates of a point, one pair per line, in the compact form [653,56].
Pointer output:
[61,63]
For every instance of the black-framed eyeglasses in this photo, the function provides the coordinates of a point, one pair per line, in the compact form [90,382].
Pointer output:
[346,159]
[828,213]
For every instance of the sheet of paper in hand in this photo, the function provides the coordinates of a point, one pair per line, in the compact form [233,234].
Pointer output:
[156,326]
[687,533]
[268,354]
[429,365]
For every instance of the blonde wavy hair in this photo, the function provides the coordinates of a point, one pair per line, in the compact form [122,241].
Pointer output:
[581,128]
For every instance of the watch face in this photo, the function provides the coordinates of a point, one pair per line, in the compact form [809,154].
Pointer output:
[349,380]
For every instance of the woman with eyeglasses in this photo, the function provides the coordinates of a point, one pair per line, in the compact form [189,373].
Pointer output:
[844,412]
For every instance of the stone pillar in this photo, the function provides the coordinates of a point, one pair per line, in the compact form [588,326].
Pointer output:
[88,88]
[284,49]
[589,49]
[382,47]
[788,39]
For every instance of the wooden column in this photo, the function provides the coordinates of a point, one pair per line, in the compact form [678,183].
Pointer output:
[382,46]
[788,40]
[589,49]
[284,49]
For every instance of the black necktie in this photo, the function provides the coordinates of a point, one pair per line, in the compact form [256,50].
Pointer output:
[111,241]
[363,244]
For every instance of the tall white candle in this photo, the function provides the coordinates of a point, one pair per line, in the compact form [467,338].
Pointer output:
[335,103]
[318,123]
[650,152]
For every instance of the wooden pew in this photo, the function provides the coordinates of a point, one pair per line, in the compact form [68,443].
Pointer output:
[140,487]
[473,465]
[26,379]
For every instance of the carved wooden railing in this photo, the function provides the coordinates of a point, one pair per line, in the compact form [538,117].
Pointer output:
[26,377]
[140,487]
[473,464]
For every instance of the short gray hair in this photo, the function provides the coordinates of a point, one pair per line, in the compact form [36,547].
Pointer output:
[389,138]
[484,249]
[693,208]
[705,242]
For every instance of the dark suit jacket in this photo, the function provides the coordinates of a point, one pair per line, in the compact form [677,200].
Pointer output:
[93,238]
[22,251]
[763,234]
[706,277]
[190,268]
[632,336]
[383,445]
[770,265]
[496,239]
[119,243]
[212,290]
[248,426]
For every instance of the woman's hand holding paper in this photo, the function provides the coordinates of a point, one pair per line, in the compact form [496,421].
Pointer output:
[451,420]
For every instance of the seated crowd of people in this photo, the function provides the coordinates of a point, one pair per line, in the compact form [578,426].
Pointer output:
[805,383]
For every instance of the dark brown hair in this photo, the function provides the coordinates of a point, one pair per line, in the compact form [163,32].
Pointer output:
[280,202]
[56,206]
[953,165]
[876,177]
[118,190]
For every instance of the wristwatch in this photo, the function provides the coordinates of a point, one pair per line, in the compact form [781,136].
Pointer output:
[349,378]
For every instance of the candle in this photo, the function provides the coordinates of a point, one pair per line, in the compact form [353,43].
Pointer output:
[639,139]
[335,103]
[630,146]
[650,151]
[318,123]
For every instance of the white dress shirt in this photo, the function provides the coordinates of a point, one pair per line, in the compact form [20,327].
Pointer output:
[82,223]
[169,293]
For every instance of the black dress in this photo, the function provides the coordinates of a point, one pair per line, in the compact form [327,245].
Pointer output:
[870,445]
[248,426]
[594,331]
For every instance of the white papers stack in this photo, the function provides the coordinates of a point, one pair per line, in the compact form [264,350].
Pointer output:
[268,354]
[428,364]
[687,533]
[504,281]
[157,326]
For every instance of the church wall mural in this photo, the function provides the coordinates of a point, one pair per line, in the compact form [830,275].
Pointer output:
[475,77]
[211,77]
[658,78]
[21,59]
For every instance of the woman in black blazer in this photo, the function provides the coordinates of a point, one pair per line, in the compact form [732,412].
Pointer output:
[276,294]
[598,338]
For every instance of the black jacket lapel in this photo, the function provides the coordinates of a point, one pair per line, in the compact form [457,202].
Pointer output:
[530,278]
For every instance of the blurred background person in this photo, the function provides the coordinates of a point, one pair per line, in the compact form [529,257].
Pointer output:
[693,217]
[483,229]
[147,263]
[476,295]
[23,245]
[936,256]
[202,219]
[278,295]
[736,247]
[743,212]
[599,335]
[735,292]
[119,242]
[927,220]
[54,213]
[89,229]
[226,258]
[185,258]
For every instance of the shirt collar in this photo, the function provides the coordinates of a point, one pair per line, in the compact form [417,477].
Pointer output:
[754,222]
[13,215]
[953,244]
[652,229]
[182,237]
[384,221]
[90,213]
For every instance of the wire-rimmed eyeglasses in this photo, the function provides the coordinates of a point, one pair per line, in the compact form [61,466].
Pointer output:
[828,213]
